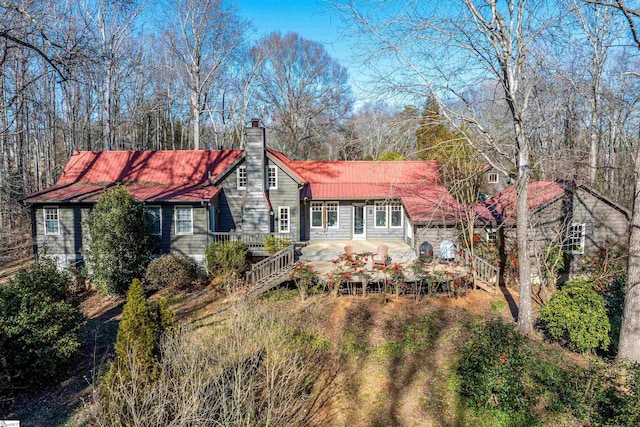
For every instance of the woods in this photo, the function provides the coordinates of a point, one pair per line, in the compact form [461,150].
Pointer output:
[534,89]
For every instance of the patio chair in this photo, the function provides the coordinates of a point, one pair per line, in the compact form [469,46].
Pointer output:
[351,258]
[380,259]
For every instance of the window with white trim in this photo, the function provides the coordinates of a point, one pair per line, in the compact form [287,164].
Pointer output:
[155,212]
[381,215]
[272,178]
[325,215]
[284,219]
[492,234]
[331,209]
[51,220]
[316,214]
[575,238]
[492,178]
[241,177]
[184,220]
[395,215]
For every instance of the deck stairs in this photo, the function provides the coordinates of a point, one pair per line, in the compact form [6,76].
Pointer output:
[271,271]
[486,275]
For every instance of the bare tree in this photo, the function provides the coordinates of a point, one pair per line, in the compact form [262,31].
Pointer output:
[629,344]
[203,35]
[431,42]
[303,91]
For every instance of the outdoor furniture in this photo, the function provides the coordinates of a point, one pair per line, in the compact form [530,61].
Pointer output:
[351,258]
[380,259]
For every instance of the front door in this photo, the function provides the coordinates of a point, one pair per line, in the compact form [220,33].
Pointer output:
[359,225]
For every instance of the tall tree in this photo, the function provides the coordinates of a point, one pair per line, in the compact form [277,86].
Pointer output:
[203,35]
[303,91]
[430,41]
[629,344]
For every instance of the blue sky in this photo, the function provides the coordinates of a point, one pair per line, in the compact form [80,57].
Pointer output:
[312,19]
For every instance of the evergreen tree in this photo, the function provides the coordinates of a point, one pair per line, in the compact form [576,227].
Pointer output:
[459,165]
[137,339]
[122,241]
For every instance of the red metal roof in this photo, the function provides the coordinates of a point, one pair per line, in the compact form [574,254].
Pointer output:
[81,192]
[363,179]
[431,204]
[502,206]
[168,167]
[169,175]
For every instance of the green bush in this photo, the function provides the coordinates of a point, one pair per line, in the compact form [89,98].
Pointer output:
[174,271]
[274,244]
[227,257]
[492,367]
[122,244]
[576,316]
[39,326]
[138,335]
[615,405]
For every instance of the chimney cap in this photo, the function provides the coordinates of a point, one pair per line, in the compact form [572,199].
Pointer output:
[255,123]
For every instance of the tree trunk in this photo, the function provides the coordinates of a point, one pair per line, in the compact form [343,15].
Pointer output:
[629,344]
[525,317]
[195,111]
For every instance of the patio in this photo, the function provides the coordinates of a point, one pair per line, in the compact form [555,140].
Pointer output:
[329,250]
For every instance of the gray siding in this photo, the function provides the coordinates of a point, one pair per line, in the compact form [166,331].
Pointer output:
[69,245]
[344,223]
[434,235]
[194,244]
[604,223]
[383,232]
[287,194]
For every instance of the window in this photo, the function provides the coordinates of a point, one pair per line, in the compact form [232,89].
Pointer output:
[51,221]
[492,235]
[241,177]
[316,215]
[272,178]
[493,178]
[283,219]
[396,215]
[324,215]
[575,239]
[332,214]
[381,215]
[184,220]
[156,218]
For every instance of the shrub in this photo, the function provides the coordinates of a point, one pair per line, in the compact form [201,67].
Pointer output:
[304,276]
[492,367]
[576,316]
[274,244]
[121,237]
[174,271]
[227,257]
[39,326]
[246,372]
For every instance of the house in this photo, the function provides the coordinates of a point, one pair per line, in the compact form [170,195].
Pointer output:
[196,197]
[494,181]
[576,217]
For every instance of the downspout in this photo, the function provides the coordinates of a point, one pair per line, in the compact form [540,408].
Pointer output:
[34,242]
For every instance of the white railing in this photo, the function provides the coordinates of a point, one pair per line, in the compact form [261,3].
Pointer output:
[252,240]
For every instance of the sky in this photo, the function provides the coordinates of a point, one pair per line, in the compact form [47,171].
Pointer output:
[312,19]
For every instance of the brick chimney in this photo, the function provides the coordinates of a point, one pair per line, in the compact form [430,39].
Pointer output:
[256,207]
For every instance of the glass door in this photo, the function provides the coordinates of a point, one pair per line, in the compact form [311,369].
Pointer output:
[359,226]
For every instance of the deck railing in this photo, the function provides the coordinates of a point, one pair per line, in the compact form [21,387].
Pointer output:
[485,271]
[252,240]
[271,266]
